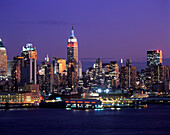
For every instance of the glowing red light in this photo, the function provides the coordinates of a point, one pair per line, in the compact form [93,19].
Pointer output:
[41,98]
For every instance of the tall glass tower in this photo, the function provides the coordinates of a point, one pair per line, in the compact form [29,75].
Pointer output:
[154,58]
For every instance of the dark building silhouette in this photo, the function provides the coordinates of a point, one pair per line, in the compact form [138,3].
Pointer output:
[128,75]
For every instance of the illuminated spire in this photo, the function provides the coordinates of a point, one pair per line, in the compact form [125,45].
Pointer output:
[72,32]
[47,59]
[72,36]
[1,44]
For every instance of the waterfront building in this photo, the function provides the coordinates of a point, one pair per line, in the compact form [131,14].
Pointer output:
[11,97]
[31,94]
[3,61]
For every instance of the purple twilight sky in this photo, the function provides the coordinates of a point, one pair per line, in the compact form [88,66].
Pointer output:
[104,28]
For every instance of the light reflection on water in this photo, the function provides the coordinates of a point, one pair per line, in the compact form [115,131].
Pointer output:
[152,120]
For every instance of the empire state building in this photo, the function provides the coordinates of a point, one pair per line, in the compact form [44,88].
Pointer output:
[72,47]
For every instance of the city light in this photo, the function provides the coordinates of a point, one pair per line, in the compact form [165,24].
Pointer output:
[99,90]
[107,90]
[106,76]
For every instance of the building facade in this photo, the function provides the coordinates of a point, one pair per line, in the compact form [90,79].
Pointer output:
[154,58]
[29,70]
[3,60]
[128,76]
[59,65]
[72,47]
[46,75]
[154,69]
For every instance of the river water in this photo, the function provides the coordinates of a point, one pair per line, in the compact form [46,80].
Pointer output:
[127,121]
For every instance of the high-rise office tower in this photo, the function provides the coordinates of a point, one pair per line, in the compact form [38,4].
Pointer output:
[72,47]
[98,67]
[154,70]
[128,75]
[114,73]
[46,77]
[14,74]
[166,73]
[154,58]
[111,74]
[29,70]
[72,73]
[98,76]
[59,65]
[80,70]
[3,60]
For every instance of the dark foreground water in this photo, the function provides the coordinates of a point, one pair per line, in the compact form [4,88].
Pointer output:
[128,121]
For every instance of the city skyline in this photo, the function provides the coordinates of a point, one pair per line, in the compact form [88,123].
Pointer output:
[140,63]
[84,67]
[116,31]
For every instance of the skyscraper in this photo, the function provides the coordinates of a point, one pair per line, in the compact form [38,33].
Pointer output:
[72,47]
[128,75]
[154,70]
[98,67]
[111,74]
[154,58]
[72,73]
[14,74]
[3,60]
[80,70]
[59,65]
[114,73]
[46,77]
[29,71]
